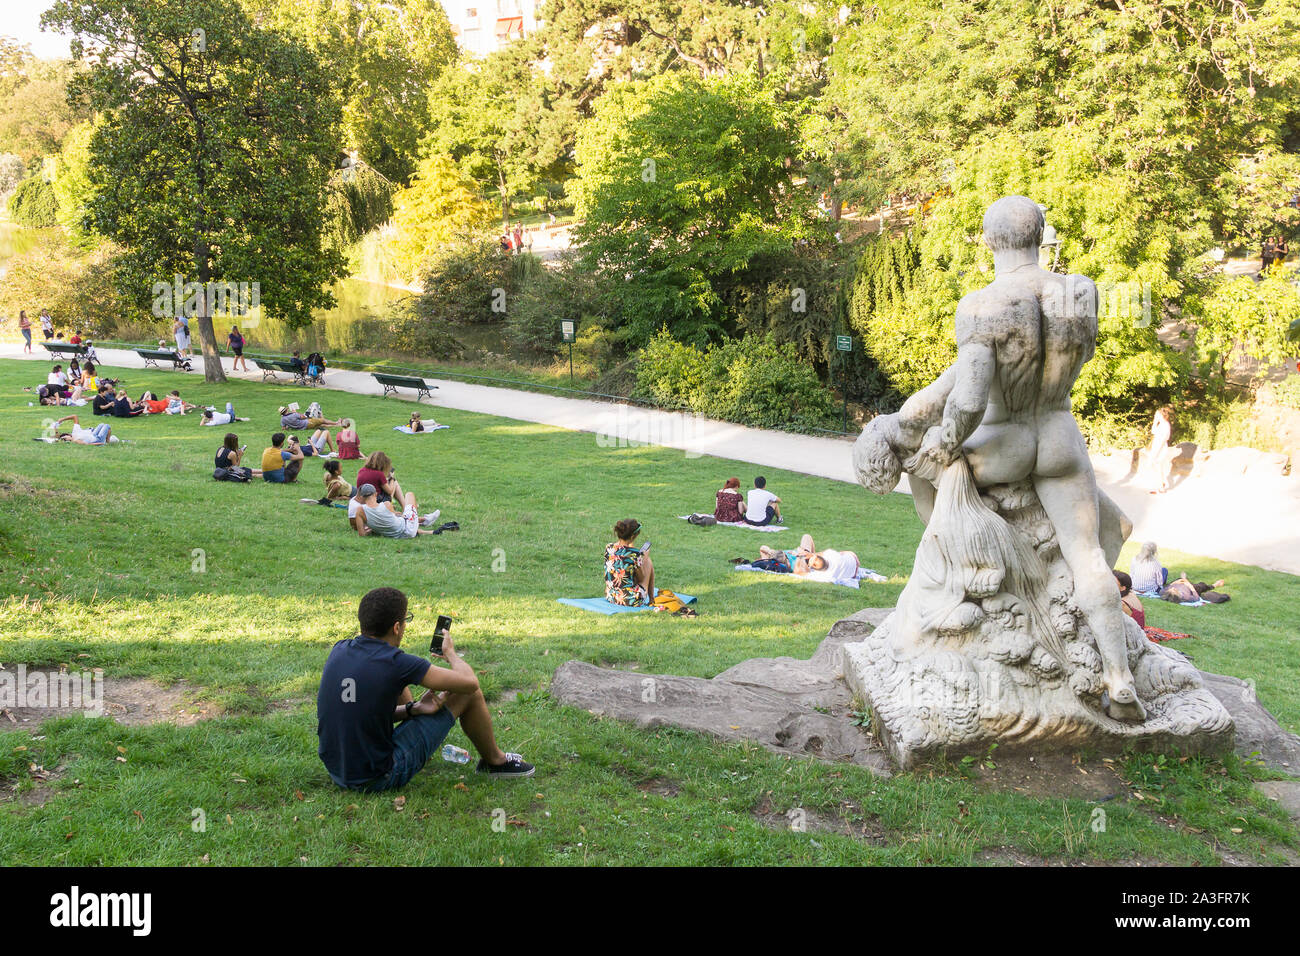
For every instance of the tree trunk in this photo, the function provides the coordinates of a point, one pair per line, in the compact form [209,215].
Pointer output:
[212,370]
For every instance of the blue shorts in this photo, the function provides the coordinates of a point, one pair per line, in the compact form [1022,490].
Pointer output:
[414,742]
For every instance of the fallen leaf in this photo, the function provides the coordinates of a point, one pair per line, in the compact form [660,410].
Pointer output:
[298,794]
[229,819]
[120,759]
[121,749]
[460,786]
[1236,830]
[17,749]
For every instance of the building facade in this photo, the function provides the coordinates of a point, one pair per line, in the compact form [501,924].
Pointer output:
[485,26]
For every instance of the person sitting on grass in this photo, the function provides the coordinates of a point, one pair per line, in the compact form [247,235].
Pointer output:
[231,453]
[365,689]
[123,407]
[99,435]
[349,445]
[1131,602]
[59,379]
[1147,573]
[371,516]
[728,502]
[629,572]
[763,506]
[102,403]
[377,470]
[337,491]
[277,460]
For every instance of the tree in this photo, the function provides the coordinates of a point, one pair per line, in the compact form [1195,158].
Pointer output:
[37,112]
[1248,318]
[71,183]
[681,182]
[33,203]
[383,55]
[217,138]
[440,203]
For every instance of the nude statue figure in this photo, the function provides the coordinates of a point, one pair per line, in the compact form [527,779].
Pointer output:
[1021,342]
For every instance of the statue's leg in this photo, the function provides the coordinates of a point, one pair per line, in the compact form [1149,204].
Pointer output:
[1071,504]
[1114,527]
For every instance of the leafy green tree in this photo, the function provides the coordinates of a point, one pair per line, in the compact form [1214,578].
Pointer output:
[383,55]
[682,181]
[71,183]
[36,111]
[1245,318]
[218,138]
[439,204]
[34,204]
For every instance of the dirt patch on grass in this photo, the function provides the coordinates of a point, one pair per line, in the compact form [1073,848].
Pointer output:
[127,700]
[659,786]
[1048,775]
[846,820]
[1008,856]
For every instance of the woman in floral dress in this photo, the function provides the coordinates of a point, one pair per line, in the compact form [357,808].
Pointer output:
[629,573]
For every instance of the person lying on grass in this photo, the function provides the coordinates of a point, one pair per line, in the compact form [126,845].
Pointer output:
[211,416]
[278,460]
[365,688]
[806,560]
[416,424]
[298,421]
[178,406]
[99,435]
[369,515]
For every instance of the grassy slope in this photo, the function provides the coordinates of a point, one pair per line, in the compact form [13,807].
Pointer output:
[97,569]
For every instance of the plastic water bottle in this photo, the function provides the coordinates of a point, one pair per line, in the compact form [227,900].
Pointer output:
[454,754]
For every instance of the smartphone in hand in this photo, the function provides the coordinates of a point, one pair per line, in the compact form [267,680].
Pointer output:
[440,630]
[645,547]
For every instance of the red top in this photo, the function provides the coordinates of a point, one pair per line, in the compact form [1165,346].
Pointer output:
[371,476]
[728,506]
[349,449]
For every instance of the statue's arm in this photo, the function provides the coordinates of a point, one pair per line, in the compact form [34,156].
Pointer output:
[969,398]
[924,409]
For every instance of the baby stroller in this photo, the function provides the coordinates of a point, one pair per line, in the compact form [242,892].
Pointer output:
[316,369]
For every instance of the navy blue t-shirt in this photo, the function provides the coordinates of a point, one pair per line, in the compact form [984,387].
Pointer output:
[359,688]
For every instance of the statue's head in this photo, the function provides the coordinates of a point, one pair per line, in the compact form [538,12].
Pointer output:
[877,463]
[1014,222]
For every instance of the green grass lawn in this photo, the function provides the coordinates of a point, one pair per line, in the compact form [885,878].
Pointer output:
[99,567]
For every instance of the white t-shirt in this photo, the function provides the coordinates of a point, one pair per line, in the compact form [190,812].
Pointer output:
[353,504]
[841,568]
[57,378]
[757,502]
[83,434]
[218,418]
[47,323]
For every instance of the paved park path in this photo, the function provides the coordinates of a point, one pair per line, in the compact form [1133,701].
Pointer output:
[1249,519]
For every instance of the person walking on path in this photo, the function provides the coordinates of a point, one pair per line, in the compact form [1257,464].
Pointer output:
[25,327]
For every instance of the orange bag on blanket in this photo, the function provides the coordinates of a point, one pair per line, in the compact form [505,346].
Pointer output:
[668,601]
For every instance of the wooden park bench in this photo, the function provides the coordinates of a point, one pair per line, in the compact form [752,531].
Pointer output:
[153,356]
[392,383]
[58,349]
[270,367]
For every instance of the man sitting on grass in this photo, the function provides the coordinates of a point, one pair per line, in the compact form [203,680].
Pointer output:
[365,689]
[277,462]
[369,515]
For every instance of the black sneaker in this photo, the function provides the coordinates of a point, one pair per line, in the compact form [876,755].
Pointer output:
[515,766]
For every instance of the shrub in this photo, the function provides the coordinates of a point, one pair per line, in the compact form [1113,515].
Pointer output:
[752,380]
[461,282]
[34,204]
[547,296]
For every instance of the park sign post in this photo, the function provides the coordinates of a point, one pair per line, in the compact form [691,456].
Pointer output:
[844,343]
[569,333]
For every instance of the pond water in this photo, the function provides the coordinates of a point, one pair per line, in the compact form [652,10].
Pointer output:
[357,321]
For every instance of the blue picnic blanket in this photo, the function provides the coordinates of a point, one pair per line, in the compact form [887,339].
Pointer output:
[601,606]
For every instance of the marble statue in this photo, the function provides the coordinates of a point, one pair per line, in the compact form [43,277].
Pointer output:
[1010,629]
